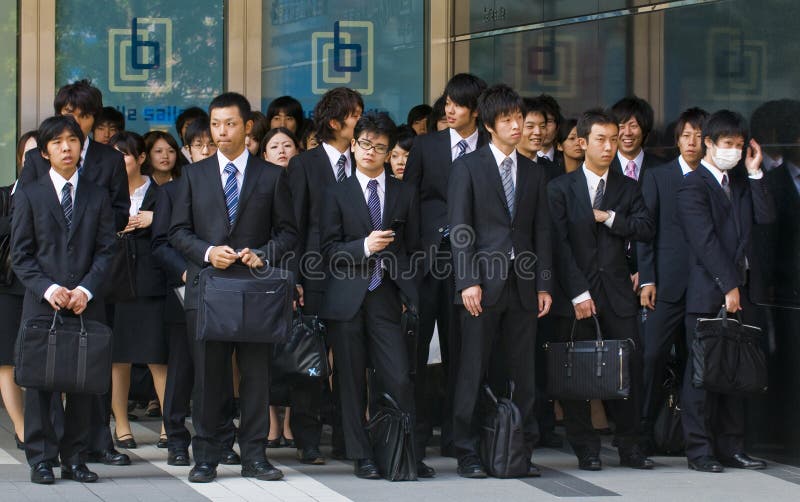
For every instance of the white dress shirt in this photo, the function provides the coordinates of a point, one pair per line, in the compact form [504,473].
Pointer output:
[333,157]
[455,138]
[639,159]
[137,197]
[241,164]
[58,185]
[685,167]
[550,154]
[363,180]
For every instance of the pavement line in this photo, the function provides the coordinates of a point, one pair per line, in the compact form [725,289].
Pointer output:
[7,459]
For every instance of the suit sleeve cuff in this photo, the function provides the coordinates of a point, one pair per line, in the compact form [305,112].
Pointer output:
[610,221]
[647,284]
[49,292]
[581,298]
[89,294]
[208,253]
[366,249]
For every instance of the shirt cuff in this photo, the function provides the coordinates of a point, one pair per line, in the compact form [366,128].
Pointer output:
[366,249]
[49,292]
[208,252]
[647,284]
[89,295]
[581,298]
[755,175]
[610,220]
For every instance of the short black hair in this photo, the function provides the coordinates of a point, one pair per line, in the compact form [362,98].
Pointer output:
[188,115]
[109,115]
[227,99]
[378,123]
[336,104]
[464,89]
[262,146]
[534,105]
[498,100]
[260,126]
[565,128]
[437,112]
[724,123]
[550,107]
[418,112]
[150,139]
[128,142]
[405,137]
[288,105]
[591,117]
[636,107]
[81,94]
[197,129]
[52,127]
[693,116]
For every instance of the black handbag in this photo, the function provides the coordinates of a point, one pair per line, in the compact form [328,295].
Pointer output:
[123,270]
[240,304]
[727,356]
[304,354]
[667,428]
[392,444]
[63,354]
[502,446]
[6,272]
[595,369]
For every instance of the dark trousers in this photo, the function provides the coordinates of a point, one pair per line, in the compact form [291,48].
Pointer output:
[662,329]
[436,310]
[499,343]
[373,332]
[213,397]
[42,440]
[545,414]
[178,391]
[625,413]
[713,424]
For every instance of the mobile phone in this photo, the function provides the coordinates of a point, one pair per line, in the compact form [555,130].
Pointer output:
[396,225]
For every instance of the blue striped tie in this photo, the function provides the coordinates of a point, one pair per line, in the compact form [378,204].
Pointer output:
[340,174]
[508,184]
[374,204]
[66,202]
[231,192]
[462,147]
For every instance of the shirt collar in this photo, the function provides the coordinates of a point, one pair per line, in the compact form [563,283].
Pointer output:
[500,156]
[639,159]
[718,173]
[592,178]
[550,154]
[363,179]
[472,140]
[84,149]
[240,162]
[685,167]
[59,181]
[334,154]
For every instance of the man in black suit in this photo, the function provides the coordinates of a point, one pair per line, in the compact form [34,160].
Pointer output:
[664,260]
[63,244]
[105,167]
[497,210]
[310,174]
[552,112]
[717,209]
[595,211]
[369,230]
[230,207]
[428,170]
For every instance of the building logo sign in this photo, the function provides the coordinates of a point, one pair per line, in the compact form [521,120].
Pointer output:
[139,57]
[343,57]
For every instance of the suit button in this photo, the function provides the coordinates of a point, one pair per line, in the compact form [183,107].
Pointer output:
[71,276]
[441,229]
[601,269]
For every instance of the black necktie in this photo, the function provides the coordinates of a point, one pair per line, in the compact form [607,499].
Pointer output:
[726,186]
[66,202]
[598,195]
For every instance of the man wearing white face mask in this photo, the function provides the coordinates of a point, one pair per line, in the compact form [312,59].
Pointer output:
[717,208]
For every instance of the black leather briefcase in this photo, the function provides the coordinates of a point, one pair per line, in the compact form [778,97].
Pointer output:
[390,434]
[304,354]
[727,356]
[240,304]
[595,369]
[63,354]
[502,448]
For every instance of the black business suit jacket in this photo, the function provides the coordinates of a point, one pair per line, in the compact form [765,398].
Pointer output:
[345,223]
[172,263]
[265,220]
[310,174]
[589,255]
[428,169]
[664,260]
[478,211]
[6,201]
[45,252]
[718,234]
[783,265]
[103,165]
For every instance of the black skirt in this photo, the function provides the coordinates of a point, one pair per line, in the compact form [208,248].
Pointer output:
[10,315]
[139,335]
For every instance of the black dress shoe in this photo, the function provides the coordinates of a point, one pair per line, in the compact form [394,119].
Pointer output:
[109,457]
[202,473]
[365,468]
[163,442]
[470,467]
[311,456]
[424,470]
[20,444]
[635,459]
[42,474]
[272,443]
[230,457]
[743,461]
[590,463]
[533,471]
[126,442]
[78,472]
[178,457]
[706,464]
[262,470]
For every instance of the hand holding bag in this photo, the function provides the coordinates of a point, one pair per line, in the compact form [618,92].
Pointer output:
[727,356]
[598,369]
[63,355]
[304,355]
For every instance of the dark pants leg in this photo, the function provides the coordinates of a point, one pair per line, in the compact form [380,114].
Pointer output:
[41,439]
[374,332]
[663,329]
[178,393]
[306,396]
[253,359]
[545,414]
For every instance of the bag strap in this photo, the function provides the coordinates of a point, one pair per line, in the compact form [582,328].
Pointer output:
[598,331]
[50,362]
[83,349]
[488,391]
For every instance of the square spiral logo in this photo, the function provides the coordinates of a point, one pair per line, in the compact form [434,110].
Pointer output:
[139,57]
[343,57]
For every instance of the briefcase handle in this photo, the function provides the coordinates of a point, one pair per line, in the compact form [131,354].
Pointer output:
[57,318]
[598,332]
[724,314]
[488,391]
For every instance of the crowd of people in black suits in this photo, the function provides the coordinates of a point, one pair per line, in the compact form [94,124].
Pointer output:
[503,223]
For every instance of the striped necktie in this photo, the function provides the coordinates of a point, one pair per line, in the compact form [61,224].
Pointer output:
[508,184]
[599,194]
[340,174]
[462,148]
[374,205]
[630,170]
[66,202]
[726,186]
[231,192]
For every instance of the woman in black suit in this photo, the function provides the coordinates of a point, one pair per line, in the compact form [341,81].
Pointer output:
[139,293]
[11,295]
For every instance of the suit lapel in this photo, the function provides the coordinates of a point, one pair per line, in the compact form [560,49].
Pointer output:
[251,175]
[612,191]
[89,161]
[489,165]
[523,172]
[52,201]
[79,205]
[389,202]
[325,163]
[210,171]
[716,188]
[580,193]
[359,202]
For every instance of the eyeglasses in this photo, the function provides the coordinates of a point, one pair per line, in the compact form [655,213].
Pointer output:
[367,146]
[201,146]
